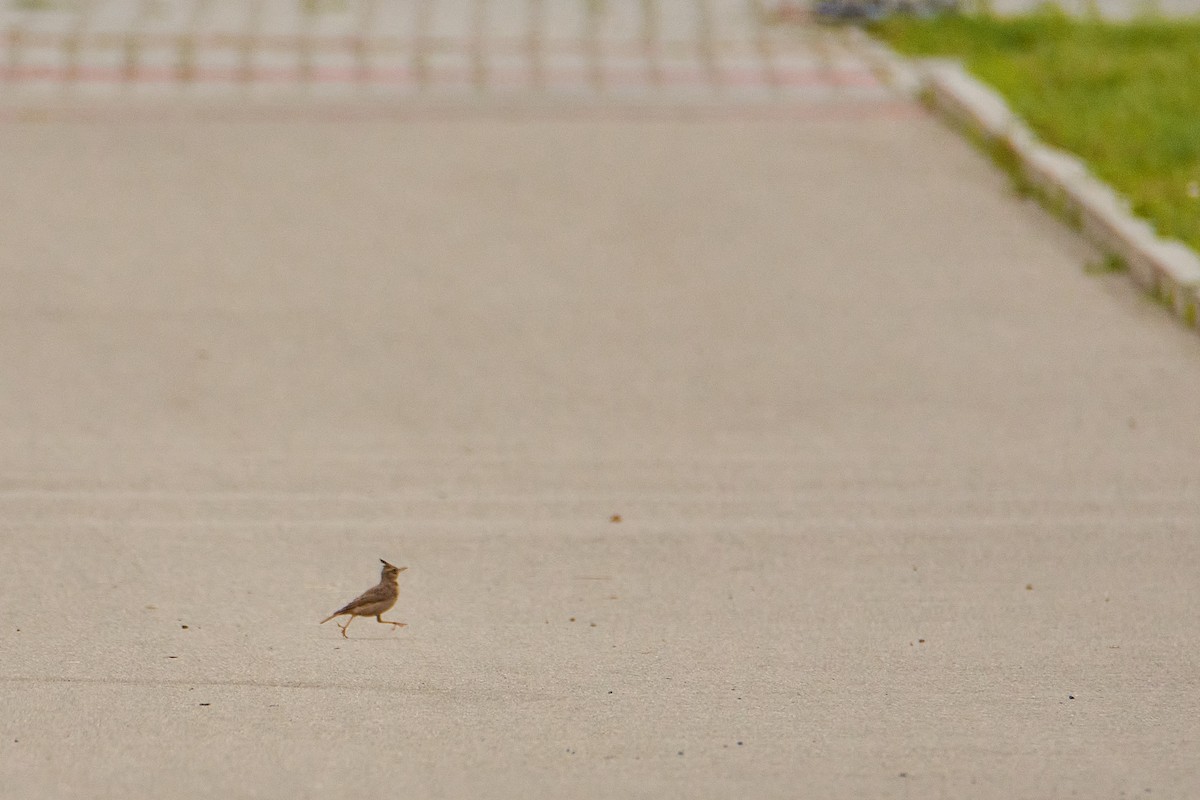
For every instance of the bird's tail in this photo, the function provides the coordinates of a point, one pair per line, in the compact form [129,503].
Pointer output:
[331,616]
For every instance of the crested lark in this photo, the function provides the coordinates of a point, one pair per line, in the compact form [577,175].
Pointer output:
[374,601]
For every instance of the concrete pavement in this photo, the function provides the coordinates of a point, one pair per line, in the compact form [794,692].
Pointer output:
[907,499]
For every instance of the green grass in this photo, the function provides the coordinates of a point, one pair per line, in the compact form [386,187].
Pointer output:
[1124,97]
[1108,264]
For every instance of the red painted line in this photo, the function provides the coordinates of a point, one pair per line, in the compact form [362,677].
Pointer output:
[153,75]
[437,76]
[854,77]
[809,78]
[32,73]
[352,44]
[746,77]
[393,112]
[347,75]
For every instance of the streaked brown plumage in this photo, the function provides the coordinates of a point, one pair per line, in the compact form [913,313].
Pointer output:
[374,601]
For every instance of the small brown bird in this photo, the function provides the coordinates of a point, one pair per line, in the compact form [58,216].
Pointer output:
[374,601]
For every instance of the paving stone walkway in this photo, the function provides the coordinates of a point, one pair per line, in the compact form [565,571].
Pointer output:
[677,49]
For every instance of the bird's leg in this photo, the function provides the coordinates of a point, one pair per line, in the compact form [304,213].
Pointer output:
[379,618]
[347,625]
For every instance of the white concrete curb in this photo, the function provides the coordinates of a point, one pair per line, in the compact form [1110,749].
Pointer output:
[1165,267]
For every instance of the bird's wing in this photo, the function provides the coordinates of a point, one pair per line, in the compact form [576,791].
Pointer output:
[375,594]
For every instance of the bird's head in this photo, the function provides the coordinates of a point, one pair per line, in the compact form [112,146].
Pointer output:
[390,571]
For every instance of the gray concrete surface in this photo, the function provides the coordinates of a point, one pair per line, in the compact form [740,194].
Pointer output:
[908,500]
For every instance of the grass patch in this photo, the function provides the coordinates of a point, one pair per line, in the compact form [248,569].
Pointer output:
[1125,97]
[1005,157]
[43,5]
[1158,297]
[1107,265]
[323,6]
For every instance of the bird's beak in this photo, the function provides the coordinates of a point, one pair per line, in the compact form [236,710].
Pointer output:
[401,569]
